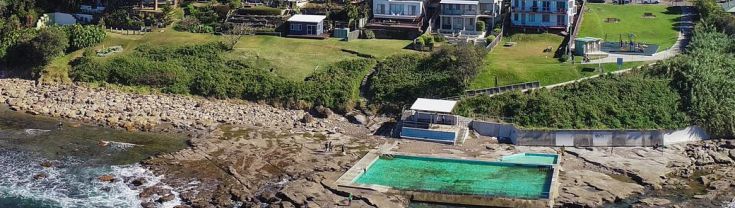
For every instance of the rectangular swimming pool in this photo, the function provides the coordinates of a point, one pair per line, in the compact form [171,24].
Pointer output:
[460,176]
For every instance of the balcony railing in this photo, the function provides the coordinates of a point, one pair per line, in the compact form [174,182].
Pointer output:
[459,12]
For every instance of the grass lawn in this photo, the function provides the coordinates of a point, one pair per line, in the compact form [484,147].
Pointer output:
[289,57]
[297,58]
[526,62]
[659,30]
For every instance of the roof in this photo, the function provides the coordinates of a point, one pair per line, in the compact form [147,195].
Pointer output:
[458,2]
[433,105]
[306,18]
[587,39]
[729,7]
[62,18]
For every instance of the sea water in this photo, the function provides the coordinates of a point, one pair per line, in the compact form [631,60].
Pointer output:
[78,159]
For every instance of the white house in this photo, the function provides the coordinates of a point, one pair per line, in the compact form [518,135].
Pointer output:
[398,9]
[543,14]
[56,18]
[460,17]
[398,18]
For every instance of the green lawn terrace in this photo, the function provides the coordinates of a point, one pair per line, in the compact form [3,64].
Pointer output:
[291,58]
[611,21]
[527,61]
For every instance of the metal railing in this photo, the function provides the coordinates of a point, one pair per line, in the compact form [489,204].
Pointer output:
[498,90]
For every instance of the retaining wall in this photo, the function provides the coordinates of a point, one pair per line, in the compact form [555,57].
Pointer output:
[588,138]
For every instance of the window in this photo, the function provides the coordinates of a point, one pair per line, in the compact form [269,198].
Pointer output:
[515,3]
[545,18]
[560,20]
[396,9]
[561,6]
[381,9]
[546,5]
[515,16]
[446,23]
[295,27]
[412,10]
[531,17]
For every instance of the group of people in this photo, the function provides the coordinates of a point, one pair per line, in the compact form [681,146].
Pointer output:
[328,147]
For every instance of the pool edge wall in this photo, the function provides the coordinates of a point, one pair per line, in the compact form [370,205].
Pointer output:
[463,199]
[475,200]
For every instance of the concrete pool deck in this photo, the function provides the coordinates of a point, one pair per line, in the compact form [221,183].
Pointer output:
[348,180]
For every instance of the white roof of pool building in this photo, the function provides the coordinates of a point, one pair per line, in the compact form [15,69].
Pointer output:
[433,105]
[306,18]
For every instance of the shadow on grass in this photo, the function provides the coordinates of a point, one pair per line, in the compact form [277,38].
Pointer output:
[589,69]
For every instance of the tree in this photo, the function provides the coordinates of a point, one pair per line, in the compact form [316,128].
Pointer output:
[353,14]
[464,61]
[85,36]
[41,50]
[235,33]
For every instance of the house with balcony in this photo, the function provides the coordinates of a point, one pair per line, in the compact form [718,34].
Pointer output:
[398,19]
[459,18]
[543,14]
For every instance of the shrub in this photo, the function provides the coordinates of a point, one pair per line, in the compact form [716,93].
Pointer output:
[610,102]
[84,36]
[36,53]
[480,26]
[428,40]
[203,70]
[368,34]
[489,39]
[439,38]
[400,79]
[419,43]
[187,23]
[260,10]
[563,58]
[497,30]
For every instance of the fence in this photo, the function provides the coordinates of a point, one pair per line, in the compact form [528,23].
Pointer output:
[499,36]
[123,31]
[575,29]
[497,90]
[588,137]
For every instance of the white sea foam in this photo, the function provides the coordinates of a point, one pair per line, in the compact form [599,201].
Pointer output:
[74,184]
[35,132]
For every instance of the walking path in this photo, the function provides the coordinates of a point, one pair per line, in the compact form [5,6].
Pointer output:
[685,27]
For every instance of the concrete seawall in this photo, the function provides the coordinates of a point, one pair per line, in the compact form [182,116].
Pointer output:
[588,138]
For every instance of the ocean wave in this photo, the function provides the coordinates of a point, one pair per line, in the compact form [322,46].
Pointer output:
[73,183]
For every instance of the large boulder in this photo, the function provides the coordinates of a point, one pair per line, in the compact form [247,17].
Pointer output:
[322,112]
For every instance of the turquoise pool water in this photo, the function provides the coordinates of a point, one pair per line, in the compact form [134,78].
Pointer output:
[532,158]
[460,176]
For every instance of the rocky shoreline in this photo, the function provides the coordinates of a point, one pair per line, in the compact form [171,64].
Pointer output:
[249,133]
[251,155]
[140,112]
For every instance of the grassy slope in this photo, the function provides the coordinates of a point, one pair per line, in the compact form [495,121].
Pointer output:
[659,30]
[292,58]
[526,62]
[297,58]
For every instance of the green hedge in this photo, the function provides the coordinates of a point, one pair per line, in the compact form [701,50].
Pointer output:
[204,70]
[260,10]
[400,79]
[610,102]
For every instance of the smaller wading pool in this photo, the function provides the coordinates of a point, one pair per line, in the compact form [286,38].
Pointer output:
[532,158]
[464,177]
